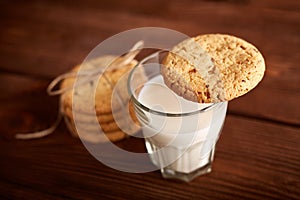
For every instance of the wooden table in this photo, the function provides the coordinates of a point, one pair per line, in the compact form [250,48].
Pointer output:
[257,155]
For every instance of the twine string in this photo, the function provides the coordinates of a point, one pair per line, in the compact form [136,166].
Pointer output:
[87,76]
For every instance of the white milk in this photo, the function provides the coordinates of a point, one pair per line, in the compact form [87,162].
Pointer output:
[182,143]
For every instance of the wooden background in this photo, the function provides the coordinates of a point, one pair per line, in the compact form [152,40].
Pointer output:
[258,153]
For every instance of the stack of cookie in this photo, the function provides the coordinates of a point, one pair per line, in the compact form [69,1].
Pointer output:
[96,107]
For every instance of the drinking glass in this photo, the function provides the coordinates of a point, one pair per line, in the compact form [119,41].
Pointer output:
[180,135]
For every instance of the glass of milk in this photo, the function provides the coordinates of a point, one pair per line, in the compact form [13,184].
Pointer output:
[180,135]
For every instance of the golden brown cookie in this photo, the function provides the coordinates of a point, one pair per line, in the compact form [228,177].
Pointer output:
[95,94]
[213,68]
[94,136]
[120,120]
[100,105]
[89,117]
[92,126]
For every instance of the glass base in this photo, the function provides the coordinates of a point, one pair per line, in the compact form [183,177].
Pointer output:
[187,177]
[169,173]
[187,166]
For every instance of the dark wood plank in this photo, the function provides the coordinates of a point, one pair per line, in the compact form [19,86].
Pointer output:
[12,190]
[257,155]
[254,160]
[25,105]
[56,36]
[16,85]
[51,37]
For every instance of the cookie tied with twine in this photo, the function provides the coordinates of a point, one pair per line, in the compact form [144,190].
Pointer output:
[89,102]
[213,68]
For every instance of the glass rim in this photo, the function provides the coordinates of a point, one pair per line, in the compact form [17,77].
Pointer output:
[156,112]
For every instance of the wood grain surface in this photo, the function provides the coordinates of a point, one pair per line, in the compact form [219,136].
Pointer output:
[257,155]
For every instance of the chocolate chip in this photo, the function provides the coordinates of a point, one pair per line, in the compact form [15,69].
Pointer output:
[192,70]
